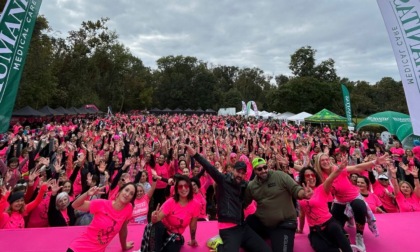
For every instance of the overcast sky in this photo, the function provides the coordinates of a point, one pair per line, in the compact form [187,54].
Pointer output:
[244,33]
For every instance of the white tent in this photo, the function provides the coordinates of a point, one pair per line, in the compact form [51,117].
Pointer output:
[299,117]
[251,113]
[284,116]
[227,111]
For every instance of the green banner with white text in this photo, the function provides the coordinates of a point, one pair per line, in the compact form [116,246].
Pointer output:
[16,26]
[347,104]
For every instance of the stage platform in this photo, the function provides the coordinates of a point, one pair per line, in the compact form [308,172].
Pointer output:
[398,232]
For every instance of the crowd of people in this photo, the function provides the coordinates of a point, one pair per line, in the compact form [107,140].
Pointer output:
[260,179]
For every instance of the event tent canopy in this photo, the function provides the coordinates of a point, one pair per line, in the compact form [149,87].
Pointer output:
[325,116]
[27,111]
[285,115]
[50,112]
[390,120]
[64,111]
[299,117]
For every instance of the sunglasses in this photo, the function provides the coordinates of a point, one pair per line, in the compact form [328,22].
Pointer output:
[382,179]
[310,175]
[185,186]
[261,168]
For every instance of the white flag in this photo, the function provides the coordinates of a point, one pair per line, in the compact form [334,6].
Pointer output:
[402,22]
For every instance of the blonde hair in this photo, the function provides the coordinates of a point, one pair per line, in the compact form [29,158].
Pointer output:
[317,165]
[409,185]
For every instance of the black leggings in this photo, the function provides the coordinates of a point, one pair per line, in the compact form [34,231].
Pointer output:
[282,236]
[158,237]
[330,238]
[359,211]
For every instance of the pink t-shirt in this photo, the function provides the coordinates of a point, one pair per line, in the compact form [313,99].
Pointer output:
[113,193]
[250,209]
[410,204]
[140,210]
[77,185]
[316,208]
[388,203]
[178,217]
[39,216]
[416,152]
[106,223]
[373,202]
[343,190]
[202,202]
[163,171]
[399,151]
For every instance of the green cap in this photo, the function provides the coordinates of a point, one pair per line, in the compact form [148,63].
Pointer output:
[258,161]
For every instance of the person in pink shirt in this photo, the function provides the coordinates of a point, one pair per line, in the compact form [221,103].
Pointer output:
[397,152]
[371,199]
[407,198]
[347,194]
[169,222]
[13,217]
[110,217]
[200,198]
[384,191]
[416,149]
[141,203]
[326,233]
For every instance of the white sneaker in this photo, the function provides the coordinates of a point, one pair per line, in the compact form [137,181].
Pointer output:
[360,243]
[356,248]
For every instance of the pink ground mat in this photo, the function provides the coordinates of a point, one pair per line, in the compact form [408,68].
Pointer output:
[398,232]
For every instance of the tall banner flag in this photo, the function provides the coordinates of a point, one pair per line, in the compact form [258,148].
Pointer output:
[402,20]
[244,107]
[248,107]
[254,106]
[347,104]
[16,25]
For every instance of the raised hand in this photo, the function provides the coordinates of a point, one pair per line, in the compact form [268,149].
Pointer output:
[308,192]
[95,191]
[344,162]
[33,175]
[156,213]
[393,170]
[383,159]
[55,187]
[415,172]
[58,167]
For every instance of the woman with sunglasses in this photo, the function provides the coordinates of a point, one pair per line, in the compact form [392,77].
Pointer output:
[169,221]
[326,233]
[383,189]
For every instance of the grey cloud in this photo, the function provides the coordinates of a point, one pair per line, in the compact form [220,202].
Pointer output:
[243,33]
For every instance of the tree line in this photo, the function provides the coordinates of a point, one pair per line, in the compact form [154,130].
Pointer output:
[91,66]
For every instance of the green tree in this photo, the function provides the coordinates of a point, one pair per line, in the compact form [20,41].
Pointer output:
[302,62]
